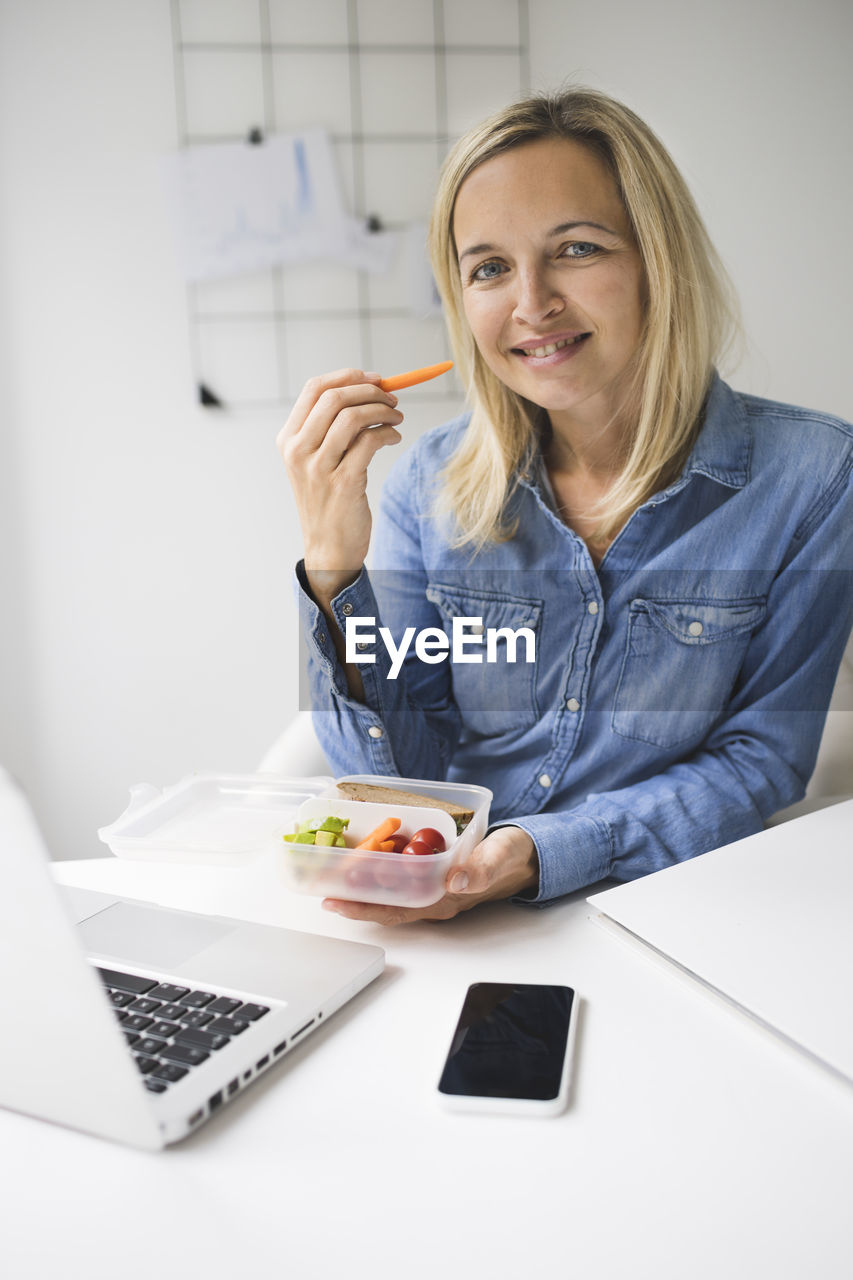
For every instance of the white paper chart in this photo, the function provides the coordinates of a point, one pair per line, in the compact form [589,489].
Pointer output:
[310,139]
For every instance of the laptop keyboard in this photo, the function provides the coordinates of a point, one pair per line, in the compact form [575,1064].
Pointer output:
[172,1029]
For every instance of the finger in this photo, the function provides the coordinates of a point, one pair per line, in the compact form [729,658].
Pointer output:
[341,413]
[315,452]
[474,876]
[314,389]
[503,864]
[379,913]
[374,912]
[357,458]
[353,428]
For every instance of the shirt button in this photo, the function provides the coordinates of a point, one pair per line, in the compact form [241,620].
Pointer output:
[476,628]
[573,704]
[321,637]
[696,628]
[376,731]
[346,608]
[362,644]
[592,607]
[544,780]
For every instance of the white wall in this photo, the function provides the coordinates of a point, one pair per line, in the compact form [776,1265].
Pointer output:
[147,608]
[147,628]
[754,99]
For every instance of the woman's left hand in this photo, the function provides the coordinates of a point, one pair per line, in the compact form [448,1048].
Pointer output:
[503,864]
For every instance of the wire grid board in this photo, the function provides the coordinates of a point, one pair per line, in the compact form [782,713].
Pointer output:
[393,83]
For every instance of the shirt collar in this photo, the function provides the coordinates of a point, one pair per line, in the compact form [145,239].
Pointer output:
[723,451]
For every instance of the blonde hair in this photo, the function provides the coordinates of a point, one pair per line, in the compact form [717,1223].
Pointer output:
[690,315]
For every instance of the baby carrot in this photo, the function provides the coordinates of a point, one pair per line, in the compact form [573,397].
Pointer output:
[401,380]
[386,828]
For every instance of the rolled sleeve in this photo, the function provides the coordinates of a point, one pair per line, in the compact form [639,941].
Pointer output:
[352,733]
[390,732]
[573,852]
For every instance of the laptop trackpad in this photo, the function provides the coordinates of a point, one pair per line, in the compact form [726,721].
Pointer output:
[148,936]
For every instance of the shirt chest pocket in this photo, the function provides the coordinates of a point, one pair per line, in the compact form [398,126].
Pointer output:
[681,661]
[494,676]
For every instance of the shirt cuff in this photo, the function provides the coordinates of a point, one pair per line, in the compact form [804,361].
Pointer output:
[328,686]
[573,852]
[357,599]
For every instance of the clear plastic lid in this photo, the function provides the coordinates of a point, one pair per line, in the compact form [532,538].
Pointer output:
[207,818]
[230,820]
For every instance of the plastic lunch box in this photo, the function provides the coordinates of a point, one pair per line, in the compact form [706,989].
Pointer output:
[218,820]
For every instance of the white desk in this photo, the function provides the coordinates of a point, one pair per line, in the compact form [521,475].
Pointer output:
[695,1145]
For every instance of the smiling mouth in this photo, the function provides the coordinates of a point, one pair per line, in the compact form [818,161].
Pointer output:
[548,348]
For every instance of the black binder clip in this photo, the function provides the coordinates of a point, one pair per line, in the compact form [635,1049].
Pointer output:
[255,136]
[207,398]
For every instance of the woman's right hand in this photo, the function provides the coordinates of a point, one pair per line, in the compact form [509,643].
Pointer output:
[337,424]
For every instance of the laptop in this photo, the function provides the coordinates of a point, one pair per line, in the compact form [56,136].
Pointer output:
[765,923]
[136,1022]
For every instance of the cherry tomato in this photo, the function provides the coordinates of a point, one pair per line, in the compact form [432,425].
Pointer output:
[418,847]
[399,842]
[359,878]
[429,835]
[388,874]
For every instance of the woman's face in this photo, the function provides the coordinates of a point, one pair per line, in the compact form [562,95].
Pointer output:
[552,281]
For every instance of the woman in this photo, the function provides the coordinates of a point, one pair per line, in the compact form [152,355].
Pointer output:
[680,553]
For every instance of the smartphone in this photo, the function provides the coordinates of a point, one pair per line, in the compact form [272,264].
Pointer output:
[511,1050]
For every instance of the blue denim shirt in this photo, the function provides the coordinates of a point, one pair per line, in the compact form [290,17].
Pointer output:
[678,692]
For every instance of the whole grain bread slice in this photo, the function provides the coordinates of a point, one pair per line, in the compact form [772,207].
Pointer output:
[391,795]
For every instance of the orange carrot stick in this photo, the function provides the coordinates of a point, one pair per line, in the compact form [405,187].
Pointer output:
[386,828]
[387,846]
[401,380]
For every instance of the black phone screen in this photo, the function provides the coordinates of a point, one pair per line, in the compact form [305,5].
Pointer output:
[510,1042]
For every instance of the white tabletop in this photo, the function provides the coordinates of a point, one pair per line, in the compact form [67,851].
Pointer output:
[695,1144]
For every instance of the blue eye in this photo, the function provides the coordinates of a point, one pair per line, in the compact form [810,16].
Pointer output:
[581,249]
[487,271]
